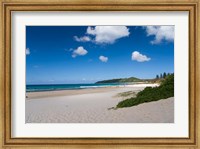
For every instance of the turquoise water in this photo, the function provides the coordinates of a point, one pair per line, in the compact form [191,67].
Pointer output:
[53,87]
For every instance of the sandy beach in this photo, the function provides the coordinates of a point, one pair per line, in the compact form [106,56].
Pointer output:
[95,106]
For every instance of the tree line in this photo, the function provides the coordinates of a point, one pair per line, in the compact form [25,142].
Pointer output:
[163,75]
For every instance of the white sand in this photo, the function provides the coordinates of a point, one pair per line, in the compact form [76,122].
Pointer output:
[142,85]
[92,106]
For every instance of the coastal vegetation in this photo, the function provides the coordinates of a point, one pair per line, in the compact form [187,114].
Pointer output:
[120,80]
[165,90]
[159,78]
[127,94]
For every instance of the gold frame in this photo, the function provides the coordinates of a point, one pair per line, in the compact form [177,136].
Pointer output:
[192,6]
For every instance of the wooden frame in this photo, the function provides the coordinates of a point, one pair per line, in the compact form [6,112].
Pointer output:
[7,6]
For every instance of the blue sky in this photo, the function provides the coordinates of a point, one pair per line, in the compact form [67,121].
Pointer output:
[86,54]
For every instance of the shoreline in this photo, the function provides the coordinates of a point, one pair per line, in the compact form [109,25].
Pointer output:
[69,92]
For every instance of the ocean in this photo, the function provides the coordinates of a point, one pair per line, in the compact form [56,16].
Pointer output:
[54,87]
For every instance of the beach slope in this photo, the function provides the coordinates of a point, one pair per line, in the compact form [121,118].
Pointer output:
[94,106]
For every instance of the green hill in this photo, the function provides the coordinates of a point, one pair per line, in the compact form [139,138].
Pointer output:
[120,80]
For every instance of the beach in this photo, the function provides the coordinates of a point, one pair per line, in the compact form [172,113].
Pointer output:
[95,105]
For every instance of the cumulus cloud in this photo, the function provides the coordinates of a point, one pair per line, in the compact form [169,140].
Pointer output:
[107,34]
[28,52]
[82,39]
[161,33]
[137,56]
[103,58]
[80,51]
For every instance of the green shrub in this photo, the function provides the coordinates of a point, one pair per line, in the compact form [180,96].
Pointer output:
[165,90]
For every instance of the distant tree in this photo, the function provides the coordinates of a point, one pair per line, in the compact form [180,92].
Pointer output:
[168,74]
[161,76]
[157,76]
[164,75]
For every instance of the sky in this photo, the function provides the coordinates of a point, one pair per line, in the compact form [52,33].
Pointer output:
[87,54]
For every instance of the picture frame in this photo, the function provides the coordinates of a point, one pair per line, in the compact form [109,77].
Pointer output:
[7,7]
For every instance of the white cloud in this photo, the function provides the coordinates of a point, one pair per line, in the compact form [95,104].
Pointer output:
[161,33]
[103,58]
[28,52]
[137,56]
[107,34]
[80,51]
[82,39]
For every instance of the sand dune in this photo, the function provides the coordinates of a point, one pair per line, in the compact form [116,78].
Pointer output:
[94,106]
